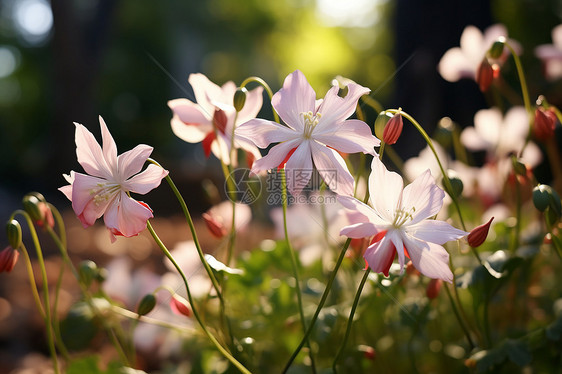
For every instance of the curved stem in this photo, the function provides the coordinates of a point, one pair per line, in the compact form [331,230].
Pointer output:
[350,319]
[266,87]
[211,337]
[294,264]
[47,309]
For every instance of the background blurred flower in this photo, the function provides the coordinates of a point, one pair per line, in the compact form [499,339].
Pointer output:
[551,55]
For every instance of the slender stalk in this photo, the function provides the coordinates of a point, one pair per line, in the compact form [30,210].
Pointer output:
[350,319]
[32,282]
[461,322]
[294,265]
[56,324]
[153,321]
[267,89]
[196,314]
[47,309]
[320,305]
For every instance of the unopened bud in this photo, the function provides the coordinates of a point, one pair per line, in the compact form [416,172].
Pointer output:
[456,184]
[8,259]
[87,270]
[541,197]
[545,122]
[484,75]
[433,288]
[479,234]
[555,204]
[31,206]
[215,225]
[180,305]
[146,305]
[368,351]
[496,50]
[13,231]
[393,129]
[519,168]
[240,98]
[380,123]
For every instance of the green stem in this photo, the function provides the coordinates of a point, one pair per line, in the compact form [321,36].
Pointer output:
[461,322]
[294,265]
[320,305]
[56,324]
[350,319]
[213,340]
[47,309]
[267,89]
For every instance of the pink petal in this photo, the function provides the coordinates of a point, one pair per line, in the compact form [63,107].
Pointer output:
[205,92]
[423,198]
[126,216]
[454,65]
[380,255]
[89,153]
[85,189]
[298,169]
[333,169]
[434,231]
[146,181]
[432,260]
[472,44]
[275,156]
[488,123]
[359,230]
[189,123]
[262,132]
[67,190]
[351,136]
[472,140]
[385,188]
[131,162]
[109,147]
[336,109]
[296,97]
[557,36]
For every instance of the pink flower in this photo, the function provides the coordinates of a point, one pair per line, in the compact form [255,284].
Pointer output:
[464,61]
[104,190]
[8,259]
[212,118]
[551,55]
[316,130]
[219,218]
[398,221]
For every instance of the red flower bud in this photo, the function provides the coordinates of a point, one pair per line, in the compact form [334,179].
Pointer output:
[368,351]
[485,75]
[393,129]
[8,259]
[545,121]
[478,234]
[215,225]
[433,288]
[180,305]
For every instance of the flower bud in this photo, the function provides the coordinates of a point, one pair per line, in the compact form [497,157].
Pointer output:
[555,204]
[484,75]
[146,305]
[368,351]
[240,98]
[31,206]
[13,231]
[456,184]
[433,288]
[545,122]
[541,197]
[519,168]
[87,270]
[393,129]
[380,123]
[479,234]
[180,305]
[8,259]
[496,50]
[215,225]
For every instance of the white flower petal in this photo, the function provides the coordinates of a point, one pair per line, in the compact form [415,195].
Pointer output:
[332,168]
[351,136]
[296,97]
[335,109]
[262,132]
[275,156]
[434,231]
[298,169]
[131,162]
[432,260]
[422,198]
[385,189]
[146,181]
[90,154]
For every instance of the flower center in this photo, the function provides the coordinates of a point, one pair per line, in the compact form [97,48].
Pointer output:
[310,122]
[104,192]
[402,216]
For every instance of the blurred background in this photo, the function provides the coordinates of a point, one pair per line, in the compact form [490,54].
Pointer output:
[70,61]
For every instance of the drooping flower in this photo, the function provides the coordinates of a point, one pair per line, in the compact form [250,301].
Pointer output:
[8,259]
[212,118]
[551,55]
[398,222]
[545,123]
[104,190]
[219,218]
[464,61]
[316,130]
